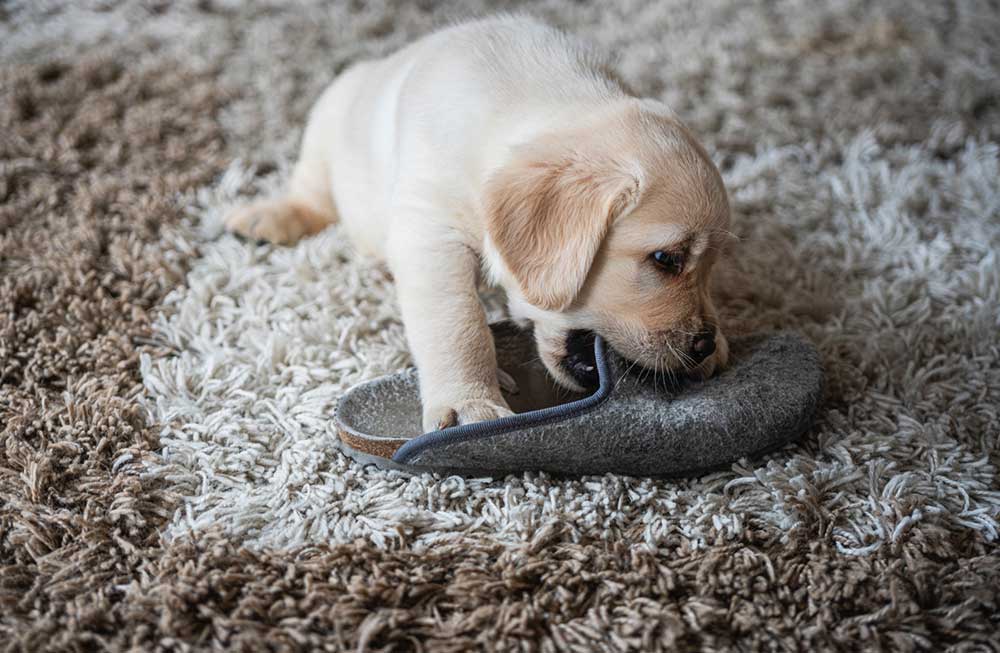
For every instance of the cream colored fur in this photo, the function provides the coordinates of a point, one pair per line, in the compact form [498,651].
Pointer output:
[504,146]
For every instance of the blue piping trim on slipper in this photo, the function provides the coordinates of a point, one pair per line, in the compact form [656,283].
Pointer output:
[531,419]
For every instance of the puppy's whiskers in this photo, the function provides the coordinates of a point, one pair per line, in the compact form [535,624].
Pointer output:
[727,233]
[626,372]
[686,361]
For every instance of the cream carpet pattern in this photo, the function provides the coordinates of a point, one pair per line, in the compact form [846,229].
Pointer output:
[884,254]
[268,337]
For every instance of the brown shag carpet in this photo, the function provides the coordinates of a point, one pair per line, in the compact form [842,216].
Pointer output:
[94,152]
[115,118]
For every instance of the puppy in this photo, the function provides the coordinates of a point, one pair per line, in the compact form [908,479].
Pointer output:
[504,147]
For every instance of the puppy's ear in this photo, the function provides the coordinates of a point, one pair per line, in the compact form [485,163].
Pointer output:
[547,213]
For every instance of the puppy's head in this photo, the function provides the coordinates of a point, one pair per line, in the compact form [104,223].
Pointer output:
[612,228]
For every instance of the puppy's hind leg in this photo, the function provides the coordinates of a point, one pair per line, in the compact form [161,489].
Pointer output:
[307,207]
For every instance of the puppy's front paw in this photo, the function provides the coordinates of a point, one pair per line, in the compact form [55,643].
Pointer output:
[464,412]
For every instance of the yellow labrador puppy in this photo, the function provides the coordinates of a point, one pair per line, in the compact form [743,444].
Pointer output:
[504,147]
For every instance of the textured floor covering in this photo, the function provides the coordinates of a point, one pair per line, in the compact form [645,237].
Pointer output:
[860,146]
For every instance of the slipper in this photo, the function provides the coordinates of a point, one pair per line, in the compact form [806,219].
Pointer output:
[632,424]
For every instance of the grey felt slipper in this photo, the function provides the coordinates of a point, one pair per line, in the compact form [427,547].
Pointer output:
[630,425]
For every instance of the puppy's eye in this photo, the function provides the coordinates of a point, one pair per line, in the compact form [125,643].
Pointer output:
[669,262]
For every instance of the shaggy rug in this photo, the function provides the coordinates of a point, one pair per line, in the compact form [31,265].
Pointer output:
[168,473]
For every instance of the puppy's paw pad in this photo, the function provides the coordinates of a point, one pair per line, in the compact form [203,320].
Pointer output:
[273,221]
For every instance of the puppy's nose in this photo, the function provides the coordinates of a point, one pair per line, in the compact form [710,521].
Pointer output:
[703,345]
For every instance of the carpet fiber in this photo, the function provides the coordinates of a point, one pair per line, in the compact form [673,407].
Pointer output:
[168,473]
